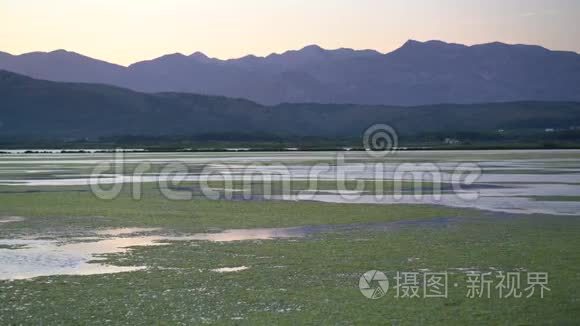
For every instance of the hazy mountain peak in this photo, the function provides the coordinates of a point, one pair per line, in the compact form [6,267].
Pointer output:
[417,73]
[64,54]
[61,51]
[249,57]
[198,55]
[312,48]
[175,58]
[58,62]
[410,43]
[201,57]
[164,58]
[500,45]
[309,49]
[432,44]
[173,55]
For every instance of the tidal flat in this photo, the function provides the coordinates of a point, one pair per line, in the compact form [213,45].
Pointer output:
[280,260]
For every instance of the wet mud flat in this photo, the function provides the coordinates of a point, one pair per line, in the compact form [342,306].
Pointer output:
[85,254]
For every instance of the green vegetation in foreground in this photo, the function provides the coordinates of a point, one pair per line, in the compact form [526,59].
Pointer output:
[309,281]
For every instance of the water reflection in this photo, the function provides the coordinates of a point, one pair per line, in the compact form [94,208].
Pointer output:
[230,269]
[34,258]
[85,255]
[11,219]
[29,258]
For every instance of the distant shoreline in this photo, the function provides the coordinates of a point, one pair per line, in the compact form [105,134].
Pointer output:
[254,150]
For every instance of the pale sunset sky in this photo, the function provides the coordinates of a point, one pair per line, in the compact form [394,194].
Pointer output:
[126,31]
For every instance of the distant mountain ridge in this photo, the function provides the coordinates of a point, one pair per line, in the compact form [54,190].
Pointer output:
[46,110]
[418,73]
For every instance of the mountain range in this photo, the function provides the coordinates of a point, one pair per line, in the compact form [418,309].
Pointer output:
[418,73]
[40,109]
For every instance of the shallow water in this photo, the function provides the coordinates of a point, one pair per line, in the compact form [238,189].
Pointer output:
[230,269]
[27,258]
[11,219]
[509,183]
[34,258]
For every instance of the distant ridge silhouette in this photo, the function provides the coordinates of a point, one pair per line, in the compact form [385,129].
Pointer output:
[55,110]
[418,73]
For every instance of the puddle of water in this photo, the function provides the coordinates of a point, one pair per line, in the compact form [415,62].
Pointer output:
[230,269]
[11,219]
[250,234]
[49,257]
[26,258]
[334,192]
[29,258]
[234,190]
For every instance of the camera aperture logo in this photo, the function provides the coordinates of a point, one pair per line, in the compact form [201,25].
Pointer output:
[373,284]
